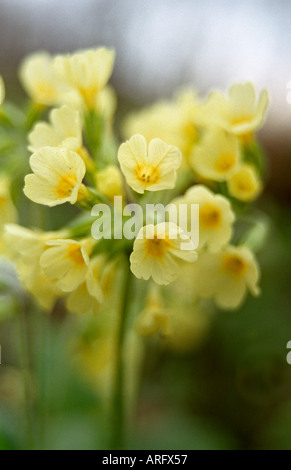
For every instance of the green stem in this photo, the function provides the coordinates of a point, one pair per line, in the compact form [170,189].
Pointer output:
[118,399]
[25,374]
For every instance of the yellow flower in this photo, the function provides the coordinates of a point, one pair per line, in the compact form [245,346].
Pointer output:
[215,216]
[88,296]
[106,103]
[8,212]
[245,184]
[176,121]
[7,209]
[2,90]
[217,156]
[109,181]
[25,248]
[227,276]
[157,252]
[152,167]
[67,262]
[154,318]
[38,79]
[86,72]
[64,130]
[57,177]
[239,113]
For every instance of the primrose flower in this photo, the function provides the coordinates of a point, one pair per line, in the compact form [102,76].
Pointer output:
[158,252]
[7,209]
[64,130]
[86,72]
[67,262]
[239,113]
[154,318]
[88,295]
[106,103]
[227,276]
[38,79]
[57,177]
[153,167]
[25,247]
[176,121]
[217,156]
[216,217]
[245,184]
[2,90]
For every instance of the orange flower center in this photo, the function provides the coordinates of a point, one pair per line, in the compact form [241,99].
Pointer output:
[148,175]
[75,254]
[157,247]
[66,185]
[210,216]
[234,264]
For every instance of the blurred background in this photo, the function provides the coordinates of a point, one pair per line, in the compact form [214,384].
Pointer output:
[234,390]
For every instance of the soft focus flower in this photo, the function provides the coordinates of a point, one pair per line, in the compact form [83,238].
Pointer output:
[38,79]
[57,177]
[106,103]
[64,130]
[217,156]
[245,184]
[67,262]
[215,216]
[2,90]
[227,275]
[239,113]
[86,72]
[8,212]
[153,167]
[25,247]
[176,121]
[109,181]
[154,318]
[158,252]
[88,296]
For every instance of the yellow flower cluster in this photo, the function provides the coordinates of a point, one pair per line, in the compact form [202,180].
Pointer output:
[216,136]
[182,152]
[76,79]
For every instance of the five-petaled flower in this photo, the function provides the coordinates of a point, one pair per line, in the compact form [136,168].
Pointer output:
[158,252]
[150,167]
[57,177]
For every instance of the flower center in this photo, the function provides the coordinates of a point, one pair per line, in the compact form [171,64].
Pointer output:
[148,175]
[225,162]
[244,185]
[156,247]
[75,254]
[210,216]
[234,264]
[66,185]
[190,131]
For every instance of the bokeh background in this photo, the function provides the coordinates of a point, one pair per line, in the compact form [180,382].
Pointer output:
[233,390]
